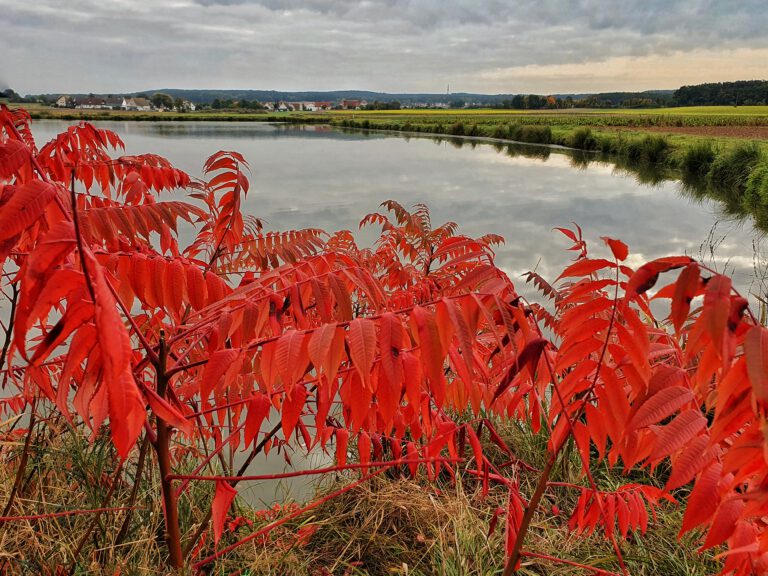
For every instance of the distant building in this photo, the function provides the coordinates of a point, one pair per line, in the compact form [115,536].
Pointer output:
[137,104]
[322,105]
[91,103]
[114,102]
[353,104]
[268,106]
[64,102]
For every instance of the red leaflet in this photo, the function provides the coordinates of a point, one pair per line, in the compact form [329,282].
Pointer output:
[222,500]
[26,205]
[756,352]
[717,306]
[686,287]
[126,406]
[662,404]
[704,498]
[342,440]
[291,357]
[13,155]
[586,267]
[362,347]
[646,276]
[259,408]
[724,522]
[326,348]
[391,341]
[218,364]
[293,405]
[619,249]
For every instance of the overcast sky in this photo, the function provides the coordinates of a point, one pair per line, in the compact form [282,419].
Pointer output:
[488,46]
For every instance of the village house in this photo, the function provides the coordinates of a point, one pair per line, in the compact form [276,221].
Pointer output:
[137,104]
[353,104]
[91,103]
[64,102]
[114,102]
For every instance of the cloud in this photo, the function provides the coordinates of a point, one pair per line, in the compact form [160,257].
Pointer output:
[391,45]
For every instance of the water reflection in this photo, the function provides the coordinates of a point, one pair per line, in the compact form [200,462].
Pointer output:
[314,176]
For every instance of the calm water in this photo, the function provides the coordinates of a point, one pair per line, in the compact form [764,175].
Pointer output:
[316,177]
[311,176]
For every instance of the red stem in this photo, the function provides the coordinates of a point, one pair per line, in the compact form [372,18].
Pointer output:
[296,473]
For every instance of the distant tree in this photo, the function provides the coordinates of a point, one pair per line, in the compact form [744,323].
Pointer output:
[179,104]
[457,104]
[11,95]
[518,101]
[162,100]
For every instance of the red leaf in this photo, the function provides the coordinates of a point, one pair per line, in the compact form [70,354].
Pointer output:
[724,522]
[342,440]
[703,499]
[391,340]
[126,406]
[218,364]
[326,347]
[222,500]
[291,357]
[585,267]
[646,276]
[293,404]
[685,289]
[364,450]
[259,408]
[619,249]
[362,347]
[717,307]
[662,404]
[25,206]
[756,352]
[678,433]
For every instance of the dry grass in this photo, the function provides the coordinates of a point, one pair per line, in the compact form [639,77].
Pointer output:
[390,525]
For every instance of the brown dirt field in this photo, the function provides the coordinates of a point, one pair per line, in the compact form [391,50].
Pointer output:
[745,132]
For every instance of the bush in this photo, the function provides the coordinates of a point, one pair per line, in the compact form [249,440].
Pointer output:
[730,172]
[535,134]
[697,160]
[583,139]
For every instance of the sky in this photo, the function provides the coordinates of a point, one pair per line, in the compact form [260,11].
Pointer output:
[484,46]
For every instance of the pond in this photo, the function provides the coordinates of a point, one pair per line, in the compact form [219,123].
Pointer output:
[315,176]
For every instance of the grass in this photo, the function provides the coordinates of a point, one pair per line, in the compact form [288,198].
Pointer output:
[390,525]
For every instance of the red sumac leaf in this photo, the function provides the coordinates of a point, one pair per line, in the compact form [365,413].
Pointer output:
[756,353]
[24,207]
[222,500]
[619,249]
[662,404]
[362,347]
[586,267]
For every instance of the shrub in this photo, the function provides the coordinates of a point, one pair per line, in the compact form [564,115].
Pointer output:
[583,139]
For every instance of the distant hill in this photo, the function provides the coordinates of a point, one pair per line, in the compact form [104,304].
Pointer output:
[208,96]
[606,99]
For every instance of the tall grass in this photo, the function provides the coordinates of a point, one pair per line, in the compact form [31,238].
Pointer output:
[730,172]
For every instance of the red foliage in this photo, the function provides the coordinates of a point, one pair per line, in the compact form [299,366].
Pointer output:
[115,322]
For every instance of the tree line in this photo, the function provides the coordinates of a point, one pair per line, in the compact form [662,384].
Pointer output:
[741,93]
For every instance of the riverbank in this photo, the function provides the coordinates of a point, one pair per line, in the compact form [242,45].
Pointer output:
[732,170]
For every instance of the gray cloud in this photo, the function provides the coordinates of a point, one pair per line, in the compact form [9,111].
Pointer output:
[391,45]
